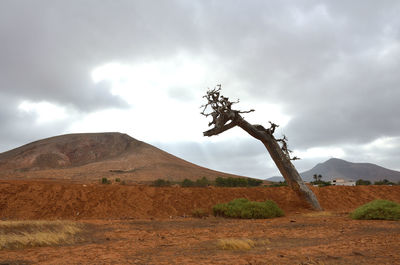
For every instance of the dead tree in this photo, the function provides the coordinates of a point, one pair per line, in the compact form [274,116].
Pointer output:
[225,118]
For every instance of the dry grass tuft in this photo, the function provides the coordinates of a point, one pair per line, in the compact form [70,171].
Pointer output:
[22,234]
[319,214]
[240,244]
[235,244]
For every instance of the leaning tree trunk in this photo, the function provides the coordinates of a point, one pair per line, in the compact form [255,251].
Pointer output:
[222,114]
[282,161]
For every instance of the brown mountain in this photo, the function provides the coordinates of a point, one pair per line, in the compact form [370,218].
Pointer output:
[338,168]
[92,156]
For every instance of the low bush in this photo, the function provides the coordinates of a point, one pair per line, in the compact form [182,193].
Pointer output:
[384,182]
[377,210]
[363,182]
[254,182]
[105,181]
[278,184]
[243,208]
[237,182]
[199,213]
[187,183]
[203,182]
[161,183]
[321,183]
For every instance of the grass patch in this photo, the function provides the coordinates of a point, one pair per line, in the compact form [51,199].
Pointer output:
[240,244]
[377,210]
[243,208]
[22,234]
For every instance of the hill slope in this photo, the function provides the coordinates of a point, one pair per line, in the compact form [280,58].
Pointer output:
[337,168]
[91,156]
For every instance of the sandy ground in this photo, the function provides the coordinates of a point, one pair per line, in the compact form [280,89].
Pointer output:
[146,225]
[294,239]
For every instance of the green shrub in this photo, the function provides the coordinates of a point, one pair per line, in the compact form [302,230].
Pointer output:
[254,182]
[377,210]
[243,208]
[278,184]
[161,183]
[203,182]
[321,183]
[199,213]
[117,180]
[363,182]
[383,182]
[187,183]
[237,182]
[105,181]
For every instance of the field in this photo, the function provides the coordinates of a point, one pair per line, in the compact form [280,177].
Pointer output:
[147,225]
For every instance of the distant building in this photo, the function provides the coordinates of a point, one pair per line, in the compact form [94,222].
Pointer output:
[343,182]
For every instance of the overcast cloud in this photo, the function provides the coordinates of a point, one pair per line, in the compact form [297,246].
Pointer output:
[326,71]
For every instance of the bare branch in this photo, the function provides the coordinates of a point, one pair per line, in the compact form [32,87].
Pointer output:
[220,109]
[285,148]
[218,130]
[273,127]
[248,111]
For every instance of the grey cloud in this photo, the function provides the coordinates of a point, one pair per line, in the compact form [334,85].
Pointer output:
[19,128]
[49,48]
[331,65]
[329,73]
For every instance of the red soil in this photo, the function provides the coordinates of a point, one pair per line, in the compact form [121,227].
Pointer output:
[51,200]
[145,225]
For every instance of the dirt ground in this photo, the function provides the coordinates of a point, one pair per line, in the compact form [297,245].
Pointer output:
[328,238]
[147,225]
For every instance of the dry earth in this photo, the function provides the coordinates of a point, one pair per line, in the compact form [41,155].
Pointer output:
[147,225]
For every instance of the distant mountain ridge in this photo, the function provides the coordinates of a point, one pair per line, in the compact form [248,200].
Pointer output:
[338,168]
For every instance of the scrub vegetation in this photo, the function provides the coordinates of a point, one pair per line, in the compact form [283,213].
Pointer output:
[377,210]
[245,209]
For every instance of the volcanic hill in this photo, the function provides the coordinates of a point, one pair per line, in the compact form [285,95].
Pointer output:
[92,156]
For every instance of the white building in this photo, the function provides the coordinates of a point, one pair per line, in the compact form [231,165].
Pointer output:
[343,182]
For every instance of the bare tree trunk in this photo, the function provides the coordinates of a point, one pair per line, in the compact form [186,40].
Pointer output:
[222,114]
[283,163]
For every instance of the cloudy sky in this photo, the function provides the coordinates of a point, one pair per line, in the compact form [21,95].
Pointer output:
[327,71]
